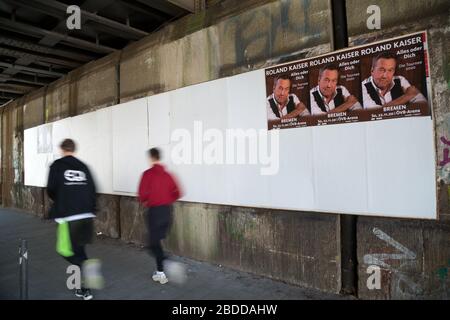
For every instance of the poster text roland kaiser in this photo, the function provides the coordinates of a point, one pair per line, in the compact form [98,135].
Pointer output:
[383,80]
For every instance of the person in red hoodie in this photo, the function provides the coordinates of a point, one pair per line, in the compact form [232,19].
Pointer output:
[157,191]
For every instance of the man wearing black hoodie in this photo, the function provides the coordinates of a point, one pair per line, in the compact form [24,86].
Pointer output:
[72,189]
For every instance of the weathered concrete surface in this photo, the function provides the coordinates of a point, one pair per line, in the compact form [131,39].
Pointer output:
[7,167]
[270,34]
[94,85]
[393,13]
[33,109]
[12,154]
[132,225]
[33,200]
[195,230]
[295,247]
[243,42]
[160,68]
[108,218]
[413,256]
[47,203]
[57,100]
[33,115]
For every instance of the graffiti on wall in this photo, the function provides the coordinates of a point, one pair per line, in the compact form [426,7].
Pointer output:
[253,43]
[401,285]
[445,159]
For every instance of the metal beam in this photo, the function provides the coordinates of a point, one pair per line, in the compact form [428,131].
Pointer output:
[4,100]
[32,70]
[25,79]
[58,10]
[4,104]
[164,6]
[9,95]
[38,32]
[189,5]
[25,55]
[145,10]
[347,223]
[12,90]
[16,43]
[89,5]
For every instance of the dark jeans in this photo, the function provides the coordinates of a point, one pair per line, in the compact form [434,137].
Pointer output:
[81,233]
[79,256]
[158,252]
[158,220]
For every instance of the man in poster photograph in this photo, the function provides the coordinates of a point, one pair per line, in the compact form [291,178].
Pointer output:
[282,104]
[385,89]
[328,96]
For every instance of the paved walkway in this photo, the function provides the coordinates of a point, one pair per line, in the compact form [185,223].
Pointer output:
[127,270]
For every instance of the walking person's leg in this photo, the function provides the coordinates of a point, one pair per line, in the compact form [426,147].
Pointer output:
[157,225]
[158,253]
[81,234]
[173,270]
[79,255]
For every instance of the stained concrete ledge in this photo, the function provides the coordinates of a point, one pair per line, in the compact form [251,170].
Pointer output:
[296,247]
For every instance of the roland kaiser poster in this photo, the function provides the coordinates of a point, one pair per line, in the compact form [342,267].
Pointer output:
[378,81]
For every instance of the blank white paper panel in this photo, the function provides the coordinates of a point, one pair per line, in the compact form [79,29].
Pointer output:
[60,130]
[247,186]
[129,144]
[36,164]
[246,95]
[293,186]
[198,109]
[93,134]
[44,138]
[340,168]
[210,104]
[159,119]
[401,168]
[180,99]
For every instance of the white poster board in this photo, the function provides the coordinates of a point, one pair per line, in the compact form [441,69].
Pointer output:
[129,144]
[92,134]
[383,168]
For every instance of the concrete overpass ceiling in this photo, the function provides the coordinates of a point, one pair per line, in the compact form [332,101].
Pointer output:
[36,48]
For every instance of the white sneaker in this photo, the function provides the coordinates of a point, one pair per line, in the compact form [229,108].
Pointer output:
[160,277]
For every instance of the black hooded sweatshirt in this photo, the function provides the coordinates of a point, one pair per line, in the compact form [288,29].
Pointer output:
[71,187]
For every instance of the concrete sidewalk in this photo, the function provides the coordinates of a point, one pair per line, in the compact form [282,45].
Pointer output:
[127,270]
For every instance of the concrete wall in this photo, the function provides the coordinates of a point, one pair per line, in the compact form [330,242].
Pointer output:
[296,247]
[238,36]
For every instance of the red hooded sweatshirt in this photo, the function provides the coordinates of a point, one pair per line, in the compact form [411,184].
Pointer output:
[158,187]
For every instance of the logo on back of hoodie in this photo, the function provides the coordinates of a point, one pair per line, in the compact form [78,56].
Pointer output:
[75,177]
